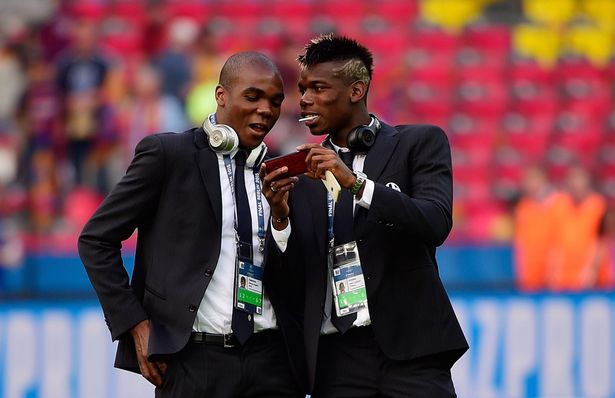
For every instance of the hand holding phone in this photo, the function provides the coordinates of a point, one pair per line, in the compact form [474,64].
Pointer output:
[294,161]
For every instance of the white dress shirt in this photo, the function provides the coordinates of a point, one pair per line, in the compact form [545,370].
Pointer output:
[216,309]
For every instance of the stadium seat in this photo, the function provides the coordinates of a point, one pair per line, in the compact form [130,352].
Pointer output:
[600,11]
[528,134]
[537,42]
[523,69]
[394,11]
[440,45]
[591,42]
[451,15]
[550,12]
[488,38]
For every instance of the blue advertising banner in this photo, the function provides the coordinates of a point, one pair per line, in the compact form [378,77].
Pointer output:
[547,346]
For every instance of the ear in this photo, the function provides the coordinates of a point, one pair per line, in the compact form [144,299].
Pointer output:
[358,90]
[221,95]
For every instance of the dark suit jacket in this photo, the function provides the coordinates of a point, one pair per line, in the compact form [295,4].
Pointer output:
[410,311]
[171,194]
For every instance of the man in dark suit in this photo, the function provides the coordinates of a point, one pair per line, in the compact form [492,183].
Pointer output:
[184,321]
[392,332]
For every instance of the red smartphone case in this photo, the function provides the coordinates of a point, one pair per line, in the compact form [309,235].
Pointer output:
[294,161]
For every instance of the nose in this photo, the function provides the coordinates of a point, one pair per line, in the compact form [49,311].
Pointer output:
[265,109]
[305,100]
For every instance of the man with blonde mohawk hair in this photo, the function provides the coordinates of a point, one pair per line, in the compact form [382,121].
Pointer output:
[391,331]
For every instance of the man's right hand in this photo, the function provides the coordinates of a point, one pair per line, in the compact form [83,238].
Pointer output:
[153,372]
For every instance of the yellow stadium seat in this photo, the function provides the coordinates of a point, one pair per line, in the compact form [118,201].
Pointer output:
[591,42]
[451,15]
[538,42]
[601,11]
[551,12]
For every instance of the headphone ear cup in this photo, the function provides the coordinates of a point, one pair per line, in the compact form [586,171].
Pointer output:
[361,139]
[223,139]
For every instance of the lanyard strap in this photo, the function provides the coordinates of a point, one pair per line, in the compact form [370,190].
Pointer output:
[259,201]
[330,214]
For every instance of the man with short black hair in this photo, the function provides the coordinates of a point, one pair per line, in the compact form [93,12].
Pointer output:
[184,321]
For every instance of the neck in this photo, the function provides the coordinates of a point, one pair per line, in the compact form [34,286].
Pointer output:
[340,138]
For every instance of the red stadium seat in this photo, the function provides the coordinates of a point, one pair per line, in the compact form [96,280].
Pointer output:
[488,38]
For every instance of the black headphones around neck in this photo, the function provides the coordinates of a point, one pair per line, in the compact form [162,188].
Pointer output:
[223,139]
[362,138]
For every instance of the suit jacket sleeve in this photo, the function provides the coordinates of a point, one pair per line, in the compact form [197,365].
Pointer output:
[130,204]
[425,212]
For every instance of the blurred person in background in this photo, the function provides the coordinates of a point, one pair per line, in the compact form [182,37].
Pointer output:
[81,75]
[401,336]
[206,62]
[148,110]
[535,218]
[174,61]
[39,127]
[12,81]
[578,219]
[201,220]
[601,270]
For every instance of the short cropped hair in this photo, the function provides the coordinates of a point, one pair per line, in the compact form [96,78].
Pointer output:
[235,64]
[327,48]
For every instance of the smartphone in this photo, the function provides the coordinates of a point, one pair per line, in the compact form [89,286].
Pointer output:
[294,161]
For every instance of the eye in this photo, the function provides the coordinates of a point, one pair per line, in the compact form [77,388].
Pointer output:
[251,98]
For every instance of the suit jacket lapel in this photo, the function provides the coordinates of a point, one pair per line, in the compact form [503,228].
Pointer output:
[380,153]
[207,161]
[375,162]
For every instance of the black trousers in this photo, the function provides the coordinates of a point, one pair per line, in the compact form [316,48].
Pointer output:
[352,366]
[255,370]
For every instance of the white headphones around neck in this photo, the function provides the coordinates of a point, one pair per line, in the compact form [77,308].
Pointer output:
[223,139]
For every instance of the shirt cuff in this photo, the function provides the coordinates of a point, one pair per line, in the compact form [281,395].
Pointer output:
[368,194]
[281,237]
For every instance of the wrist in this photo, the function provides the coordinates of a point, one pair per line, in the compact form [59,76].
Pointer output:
[359,182]
[279,220]
[279,223]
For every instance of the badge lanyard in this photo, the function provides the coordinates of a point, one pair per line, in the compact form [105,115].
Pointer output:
[259,203]
[248,287]
[346,277]
[330,215]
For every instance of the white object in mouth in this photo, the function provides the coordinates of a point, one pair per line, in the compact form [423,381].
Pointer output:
[305,119]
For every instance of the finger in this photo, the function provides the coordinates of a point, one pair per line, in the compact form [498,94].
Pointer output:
[262,171]
[284,190]
[283,184]
[162,367]
[316,151]
[154,374]
[275,174]
[307,146]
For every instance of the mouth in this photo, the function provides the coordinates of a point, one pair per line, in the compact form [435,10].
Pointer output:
[308,118]
[259,128]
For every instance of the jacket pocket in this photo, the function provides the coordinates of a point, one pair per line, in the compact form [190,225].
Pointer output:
[154,292]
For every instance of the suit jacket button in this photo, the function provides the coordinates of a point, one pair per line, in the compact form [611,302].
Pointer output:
[208,272]
[192,308]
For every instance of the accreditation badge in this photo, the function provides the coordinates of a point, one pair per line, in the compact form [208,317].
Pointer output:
[348,283]
[249,287]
